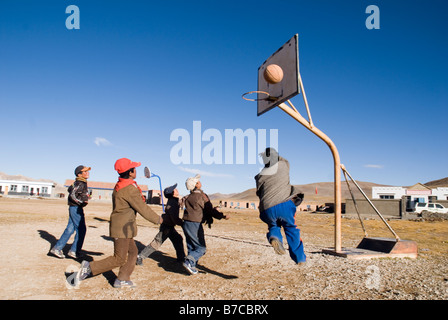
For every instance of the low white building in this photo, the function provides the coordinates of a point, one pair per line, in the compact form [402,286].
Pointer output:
[415,194]
[26,188]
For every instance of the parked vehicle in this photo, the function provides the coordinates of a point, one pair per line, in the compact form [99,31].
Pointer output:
[431,207]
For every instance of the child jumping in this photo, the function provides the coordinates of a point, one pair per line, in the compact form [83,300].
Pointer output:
[278,201]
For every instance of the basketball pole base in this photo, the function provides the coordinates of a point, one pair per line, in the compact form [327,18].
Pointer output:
[370,248]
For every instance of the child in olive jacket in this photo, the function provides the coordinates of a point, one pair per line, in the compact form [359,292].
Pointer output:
[127,200]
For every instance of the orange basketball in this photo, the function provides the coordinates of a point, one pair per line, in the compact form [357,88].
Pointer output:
[273,74]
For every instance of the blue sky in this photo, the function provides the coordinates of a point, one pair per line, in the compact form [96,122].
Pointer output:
[137,70]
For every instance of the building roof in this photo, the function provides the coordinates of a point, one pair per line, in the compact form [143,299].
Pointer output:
[43,183]
[102,185]
[419,187]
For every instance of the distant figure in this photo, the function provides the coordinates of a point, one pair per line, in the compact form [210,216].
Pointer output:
[278,202]
[78,198]
[167,228]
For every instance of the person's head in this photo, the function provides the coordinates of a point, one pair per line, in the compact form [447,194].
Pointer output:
[193,183]
[270,156]
[126,168]
[171,192]
[128,174]
[82,172]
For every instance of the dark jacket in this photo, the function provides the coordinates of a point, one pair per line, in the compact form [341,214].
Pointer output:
[78,194]
[198,208]
[171,215]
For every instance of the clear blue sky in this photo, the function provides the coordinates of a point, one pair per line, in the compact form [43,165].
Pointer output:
[137,70]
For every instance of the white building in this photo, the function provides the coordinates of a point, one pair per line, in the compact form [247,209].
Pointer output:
[417,193]
[26,188]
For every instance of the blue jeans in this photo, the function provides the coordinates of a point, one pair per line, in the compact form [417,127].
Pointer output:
[282,215]
[76,223]
[194,236]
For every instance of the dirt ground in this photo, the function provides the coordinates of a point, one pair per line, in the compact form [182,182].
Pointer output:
[239,263]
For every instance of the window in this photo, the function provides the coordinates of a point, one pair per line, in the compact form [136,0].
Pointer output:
[431,205]
[386,196]
[44,189]
[25,188]
[14,187]
[421,204]
[439,206]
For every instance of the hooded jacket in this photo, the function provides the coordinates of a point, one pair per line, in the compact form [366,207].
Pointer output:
[273,186]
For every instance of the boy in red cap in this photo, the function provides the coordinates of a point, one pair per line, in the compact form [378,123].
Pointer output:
[127,200]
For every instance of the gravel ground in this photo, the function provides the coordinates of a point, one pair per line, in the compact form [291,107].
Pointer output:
[239,263]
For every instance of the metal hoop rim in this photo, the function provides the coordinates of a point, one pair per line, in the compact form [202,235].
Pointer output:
[256,91]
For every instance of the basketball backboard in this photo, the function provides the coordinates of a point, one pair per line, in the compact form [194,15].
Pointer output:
[287,57]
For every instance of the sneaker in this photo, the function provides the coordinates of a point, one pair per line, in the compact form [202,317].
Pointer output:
[123,284]
[277,245]
[72,254]
[57,253]
[139,261]
[190,268]
[85,270]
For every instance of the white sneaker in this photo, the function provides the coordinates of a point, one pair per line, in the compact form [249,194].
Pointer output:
[57,253]
[123,284]
[72,254]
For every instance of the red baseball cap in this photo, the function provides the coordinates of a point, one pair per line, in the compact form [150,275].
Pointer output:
[124,164]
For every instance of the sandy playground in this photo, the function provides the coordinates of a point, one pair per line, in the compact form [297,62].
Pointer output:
[239,263]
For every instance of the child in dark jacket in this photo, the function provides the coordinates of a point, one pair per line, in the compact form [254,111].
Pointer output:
[167,228]
[78,198]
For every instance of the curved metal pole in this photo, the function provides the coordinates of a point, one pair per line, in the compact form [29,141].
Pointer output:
[337,169]
[161,191]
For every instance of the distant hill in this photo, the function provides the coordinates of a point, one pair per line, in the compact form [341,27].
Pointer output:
[438,183]
[19,177]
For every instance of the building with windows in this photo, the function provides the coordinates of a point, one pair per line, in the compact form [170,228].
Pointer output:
[239,204]
[26,188]
[417,193]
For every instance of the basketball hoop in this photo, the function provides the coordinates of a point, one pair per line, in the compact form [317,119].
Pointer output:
[267,97]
